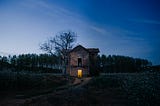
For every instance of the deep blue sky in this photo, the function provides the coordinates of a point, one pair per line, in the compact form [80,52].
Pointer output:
[121,27]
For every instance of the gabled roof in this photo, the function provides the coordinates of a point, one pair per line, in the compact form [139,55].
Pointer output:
[90,50]
[93,50]
[79,46]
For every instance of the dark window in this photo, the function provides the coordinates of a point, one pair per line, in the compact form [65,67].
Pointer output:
[79,62]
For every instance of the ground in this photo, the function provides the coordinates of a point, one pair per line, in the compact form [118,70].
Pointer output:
[109,90]
[74,94]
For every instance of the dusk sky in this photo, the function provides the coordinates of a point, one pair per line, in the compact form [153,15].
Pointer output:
[120,27]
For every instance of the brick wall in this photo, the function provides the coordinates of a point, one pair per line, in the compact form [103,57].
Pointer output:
[73,62]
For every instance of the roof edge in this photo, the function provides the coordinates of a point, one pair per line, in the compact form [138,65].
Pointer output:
[79,46]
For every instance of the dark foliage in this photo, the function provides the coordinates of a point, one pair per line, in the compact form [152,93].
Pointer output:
[52,63]
[94,66]
[116,63]
[134,89]
[31,62]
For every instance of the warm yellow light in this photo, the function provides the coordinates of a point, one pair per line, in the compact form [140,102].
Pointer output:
[79,73]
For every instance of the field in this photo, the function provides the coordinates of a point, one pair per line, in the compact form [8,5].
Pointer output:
[132,89]
[111,89]
[27,84]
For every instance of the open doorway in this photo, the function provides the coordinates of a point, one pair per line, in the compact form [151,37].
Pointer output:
[79,73]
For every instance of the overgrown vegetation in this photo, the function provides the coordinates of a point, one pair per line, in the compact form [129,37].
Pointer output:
[137,88]
[142,89]
[29,83]
[44,63]
[116,63]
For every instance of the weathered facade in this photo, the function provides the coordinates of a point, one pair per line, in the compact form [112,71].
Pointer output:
[79,61]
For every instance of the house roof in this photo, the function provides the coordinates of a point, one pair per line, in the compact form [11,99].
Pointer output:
[90,50]
[79,46]
[93,50]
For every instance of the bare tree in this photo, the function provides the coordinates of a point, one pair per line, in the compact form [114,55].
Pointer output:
[60,45]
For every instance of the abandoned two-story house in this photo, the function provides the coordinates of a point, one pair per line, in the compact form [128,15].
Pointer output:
[81,60]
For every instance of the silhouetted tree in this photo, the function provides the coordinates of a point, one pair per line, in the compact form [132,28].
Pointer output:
[0,63]
[103,62]
[13,61]
[116,63]
[48,62]
[60,44]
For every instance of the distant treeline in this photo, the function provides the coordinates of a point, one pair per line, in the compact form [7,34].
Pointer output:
[52,63]
[31,62]
[116,63]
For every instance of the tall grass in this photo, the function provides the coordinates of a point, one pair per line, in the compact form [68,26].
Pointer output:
[142,89]
[28,80]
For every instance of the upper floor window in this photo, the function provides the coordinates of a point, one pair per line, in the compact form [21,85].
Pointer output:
[79,62]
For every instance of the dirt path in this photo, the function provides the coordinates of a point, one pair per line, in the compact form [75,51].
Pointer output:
[75,94]
[81,82]
[67,96]
[59,93]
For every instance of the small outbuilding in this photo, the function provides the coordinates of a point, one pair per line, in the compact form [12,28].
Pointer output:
[81,60]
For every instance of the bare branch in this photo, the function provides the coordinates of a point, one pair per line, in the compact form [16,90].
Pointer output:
[60,43]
